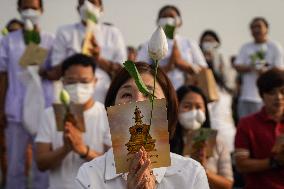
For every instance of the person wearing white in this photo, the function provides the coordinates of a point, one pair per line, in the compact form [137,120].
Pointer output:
[109,48]
[184,56]
[182,173]
[62,153]
[100,173]
[253,59]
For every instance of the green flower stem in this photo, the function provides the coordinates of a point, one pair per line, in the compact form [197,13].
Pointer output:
[153,94]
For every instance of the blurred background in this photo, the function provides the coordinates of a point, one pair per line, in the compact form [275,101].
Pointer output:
[136,18]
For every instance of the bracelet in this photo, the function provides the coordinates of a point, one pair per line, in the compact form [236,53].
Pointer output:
[86,154]
[273,163]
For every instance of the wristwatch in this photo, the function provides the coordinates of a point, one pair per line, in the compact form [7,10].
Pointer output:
[273,163]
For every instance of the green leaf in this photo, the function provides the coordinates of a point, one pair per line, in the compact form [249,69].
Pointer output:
[132,70]
[92,17]
[4,31]
[32,37]
[203,135]
[169,31]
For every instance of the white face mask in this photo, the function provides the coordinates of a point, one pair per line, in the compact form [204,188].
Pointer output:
[80,93]
[209,46]
[192,119]
[169,21]
[89,8]
[32,15]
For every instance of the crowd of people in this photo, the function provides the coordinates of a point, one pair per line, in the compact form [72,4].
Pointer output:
[248,116]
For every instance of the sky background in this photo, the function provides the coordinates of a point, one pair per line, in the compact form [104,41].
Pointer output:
[136,18]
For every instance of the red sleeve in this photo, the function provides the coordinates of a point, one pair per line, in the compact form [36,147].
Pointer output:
[242,139]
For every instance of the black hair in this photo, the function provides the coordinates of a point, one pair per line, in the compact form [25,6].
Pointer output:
[270,80]
[100,1]
[211,33]
[14,21]
[169,7]
[177,141]
[78,59]
[262,19]
[168,90]
[40,3]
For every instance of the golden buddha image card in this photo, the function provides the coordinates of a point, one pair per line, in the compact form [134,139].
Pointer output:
[75,116]
[131,129]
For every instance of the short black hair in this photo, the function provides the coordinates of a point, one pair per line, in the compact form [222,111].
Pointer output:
[78,59]
[14,21]
[270,80]
[169,7]
[40,3]
[262,19]
[211,33]
[100,1]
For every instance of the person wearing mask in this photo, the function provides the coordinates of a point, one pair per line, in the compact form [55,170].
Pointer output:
[17,137]
[193,115]
[108,48]
[253,59]
[62,153]
[221,110]
[183,172]
[184,57]
[259,139]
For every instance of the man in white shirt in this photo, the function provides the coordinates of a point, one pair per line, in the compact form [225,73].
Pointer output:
[109,49]
[253,59]
[62,153]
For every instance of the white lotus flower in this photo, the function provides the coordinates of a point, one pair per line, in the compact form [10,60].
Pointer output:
[29,25]
[158,45]
[64,97]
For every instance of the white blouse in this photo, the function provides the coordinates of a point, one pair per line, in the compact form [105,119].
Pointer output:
[100,173]
[190,52]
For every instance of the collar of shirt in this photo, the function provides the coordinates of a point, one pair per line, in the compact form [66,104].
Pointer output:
[111,171]
[279,127]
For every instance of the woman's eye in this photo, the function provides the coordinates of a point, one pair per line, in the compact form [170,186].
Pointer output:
[126,95]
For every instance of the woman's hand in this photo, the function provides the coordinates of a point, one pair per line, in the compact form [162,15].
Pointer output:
[200,155]
[140,174]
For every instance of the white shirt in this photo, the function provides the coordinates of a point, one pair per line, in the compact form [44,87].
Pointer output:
[190,52]
[274,57]
[69,40]
[97,135]
[221,118]
[184,172]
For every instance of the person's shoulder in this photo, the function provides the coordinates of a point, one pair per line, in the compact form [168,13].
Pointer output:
[110,28]
[98,108]
[250,120]
[181,163]
[95,166]
[67,28]
[247,45]
[274,44]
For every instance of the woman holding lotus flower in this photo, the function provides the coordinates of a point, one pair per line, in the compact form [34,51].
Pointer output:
[184,56]
[130,87]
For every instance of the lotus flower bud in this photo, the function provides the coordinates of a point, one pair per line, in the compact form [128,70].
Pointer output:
[158,45]
[29,25]
[64,97]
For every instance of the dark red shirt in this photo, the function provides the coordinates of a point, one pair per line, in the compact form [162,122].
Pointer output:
[257,133]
